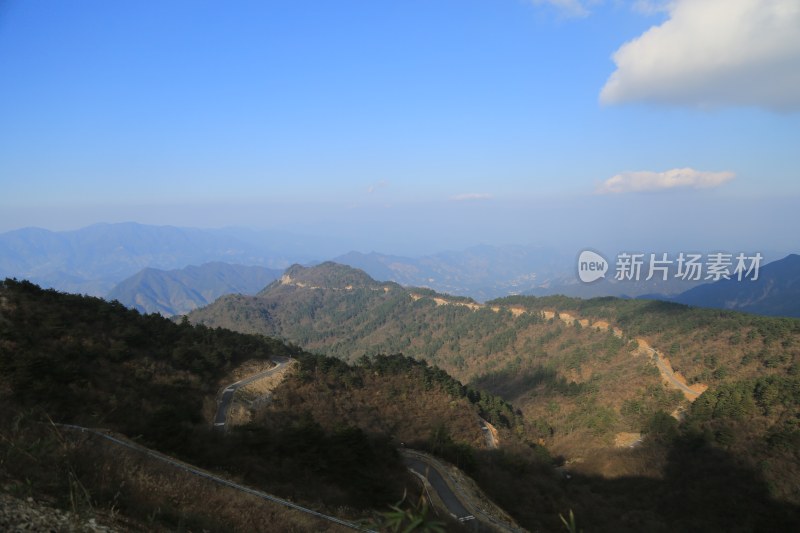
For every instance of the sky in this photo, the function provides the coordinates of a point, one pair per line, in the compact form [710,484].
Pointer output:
[409,126]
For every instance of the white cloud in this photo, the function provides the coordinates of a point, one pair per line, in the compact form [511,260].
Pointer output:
[671,179]
[464,197]
[713,53]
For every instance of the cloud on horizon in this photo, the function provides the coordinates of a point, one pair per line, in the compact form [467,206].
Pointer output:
[471,196]
[375,187]
[677,178]
[713,53]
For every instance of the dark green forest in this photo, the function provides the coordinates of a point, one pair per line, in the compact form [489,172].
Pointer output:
[731,464]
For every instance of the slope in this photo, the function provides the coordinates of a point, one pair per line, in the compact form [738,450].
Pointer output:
[579,382]
[524,357]
[581,372]
[85,361]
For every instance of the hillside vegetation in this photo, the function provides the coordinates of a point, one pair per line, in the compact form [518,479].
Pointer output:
[329,436]
[82,360]
[578,384]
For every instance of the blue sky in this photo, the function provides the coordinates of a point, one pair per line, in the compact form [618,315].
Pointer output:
[408,125]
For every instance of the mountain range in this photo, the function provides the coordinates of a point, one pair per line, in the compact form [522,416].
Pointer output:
[776,292]
[481,272]
[94,259]
[101,259]
[175,292]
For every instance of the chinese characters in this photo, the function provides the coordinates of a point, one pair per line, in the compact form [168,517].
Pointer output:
[687,266]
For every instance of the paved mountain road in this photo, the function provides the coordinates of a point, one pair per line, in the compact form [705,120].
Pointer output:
[438,483]
[224,404]
[670,375]
[413,460]
[457,503]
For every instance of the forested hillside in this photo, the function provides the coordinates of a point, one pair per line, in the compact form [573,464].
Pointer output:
[330,434]
[581,384]
[571,382]
[82,360]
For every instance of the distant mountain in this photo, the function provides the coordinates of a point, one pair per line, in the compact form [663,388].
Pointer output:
[176,292]
[655,288]
[776,292]
[481,272]
[94,259]
[486,272]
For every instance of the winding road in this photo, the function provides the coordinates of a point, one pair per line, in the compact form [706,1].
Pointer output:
[448,497]
[420,464]
[224,404]
[670,375]
[451,496]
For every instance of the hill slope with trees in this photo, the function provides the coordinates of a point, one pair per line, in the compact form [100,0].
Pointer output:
[578,384]
[328,437]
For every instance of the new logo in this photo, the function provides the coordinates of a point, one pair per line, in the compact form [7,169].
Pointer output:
[591,266]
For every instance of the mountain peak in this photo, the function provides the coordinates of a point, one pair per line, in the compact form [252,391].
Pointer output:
[327,275]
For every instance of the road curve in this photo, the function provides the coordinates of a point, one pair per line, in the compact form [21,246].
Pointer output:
[455,502]
[448,497]
[415,461]
[670,375]
[224,404]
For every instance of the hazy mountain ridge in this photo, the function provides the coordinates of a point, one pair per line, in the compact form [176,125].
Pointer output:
[481,272]
[776,292]
[485,272]
[176,292]
[93,259]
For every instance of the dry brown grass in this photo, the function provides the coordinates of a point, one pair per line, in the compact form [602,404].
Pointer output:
[161,496]
[388,405]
